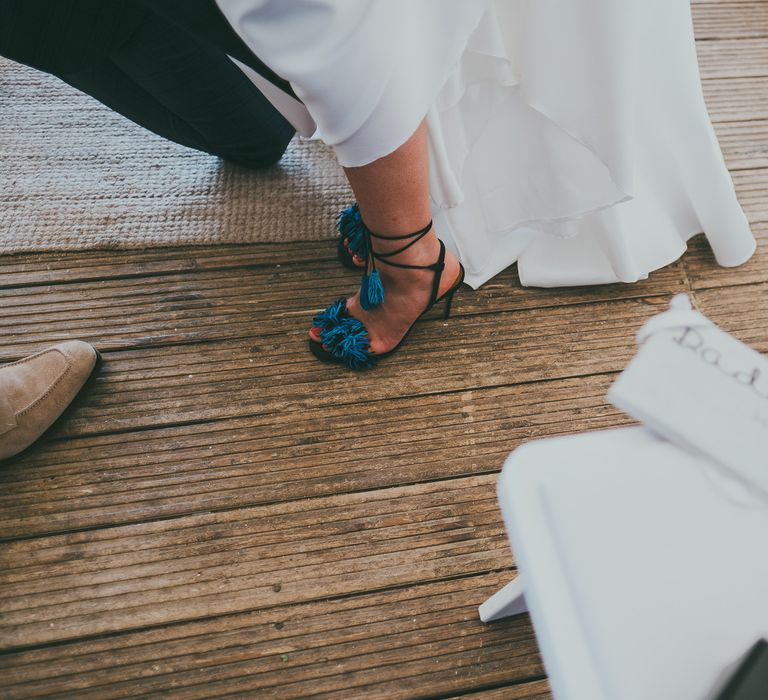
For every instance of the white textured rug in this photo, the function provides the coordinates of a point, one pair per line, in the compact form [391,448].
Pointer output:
[75,175]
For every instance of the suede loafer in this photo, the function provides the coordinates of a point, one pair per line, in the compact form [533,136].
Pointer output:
[36,390]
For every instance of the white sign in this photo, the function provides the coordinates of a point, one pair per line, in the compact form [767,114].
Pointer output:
[702,389]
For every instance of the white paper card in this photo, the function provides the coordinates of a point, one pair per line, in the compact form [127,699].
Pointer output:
[702,389]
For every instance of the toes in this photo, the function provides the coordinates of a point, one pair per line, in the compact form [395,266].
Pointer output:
[314,334]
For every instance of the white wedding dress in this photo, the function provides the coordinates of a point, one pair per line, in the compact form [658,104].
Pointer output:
[570,136]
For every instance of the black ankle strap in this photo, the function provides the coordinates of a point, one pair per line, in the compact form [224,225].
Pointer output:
[421,232]
[437,267]
[415,237]
[371,288]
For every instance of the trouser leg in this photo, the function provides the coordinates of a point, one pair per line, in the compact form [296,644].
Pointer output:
[158,75]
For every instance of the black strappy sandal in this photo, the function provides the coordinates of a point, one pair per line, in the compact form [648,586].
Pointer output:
[344,339]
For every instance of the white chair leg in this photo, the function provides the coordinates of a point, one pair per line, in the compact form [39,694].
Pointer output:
[510,600]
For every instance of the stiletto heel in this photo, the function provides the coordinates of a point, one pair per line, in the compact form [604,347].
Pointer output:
[343,338]
[449,302]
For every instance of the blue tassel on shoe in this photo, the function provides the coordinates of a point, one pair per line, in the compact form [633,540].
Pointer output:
[349,342]
[351,227]
[371,290]
[332,315]
[343,336]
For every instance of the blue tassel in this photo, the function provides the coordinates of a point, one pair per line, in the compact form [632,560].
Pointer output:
[375,288]
[351,227]
[344,337]
[332,315]
[348,341]
[371,291]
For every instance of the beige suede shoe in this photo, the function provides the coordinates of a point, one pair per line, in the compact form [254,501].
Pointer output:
[35,391]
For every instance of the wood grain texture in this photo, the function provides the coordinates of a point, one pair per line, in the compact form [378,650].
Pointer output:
[532,690]
[726,19]
[221,516]
[159,473]
[733,58]
[743,311]
[744,144]
[32,269]
[704,273]
[205,306]
[394,643]
[163,386]
[751,186]
[67,586]
[736,99]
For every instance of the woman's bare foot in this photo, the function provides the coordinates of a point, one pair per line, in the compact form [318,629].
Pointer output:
[407,292]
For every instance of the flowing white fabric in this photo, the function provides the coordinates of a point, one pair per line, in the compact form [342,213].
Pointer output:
[570,136]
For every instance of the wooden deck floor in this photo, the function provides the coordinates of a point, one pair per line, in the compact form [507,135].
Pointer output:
[223,516]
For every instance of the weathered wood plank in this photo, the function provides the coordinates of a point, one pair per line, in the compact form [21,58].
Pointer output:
[402,640]
[164,386]
[147,475]
[741,310]
[84,584]
[32,269]
[736,99]
[202,306]
[705,273]
[744,144]
[733,58]
[531,690]
[730,20]
[751,187]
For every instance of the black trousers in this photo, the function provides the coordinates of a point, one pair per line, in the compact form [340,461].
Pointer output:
[161,64]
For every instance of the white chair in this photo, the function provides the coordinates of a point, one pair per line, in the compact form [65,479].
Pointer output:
[643,566]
